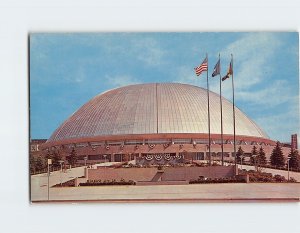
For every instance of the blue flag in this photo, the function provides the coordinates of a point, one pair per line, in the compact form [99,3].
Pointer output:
[216,69]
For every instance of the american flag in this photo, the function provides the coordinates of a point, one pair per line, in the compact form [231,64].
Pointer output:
[201,68]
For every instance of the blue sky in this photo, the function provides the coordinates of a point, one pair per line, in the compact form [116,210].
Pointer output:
[67,70]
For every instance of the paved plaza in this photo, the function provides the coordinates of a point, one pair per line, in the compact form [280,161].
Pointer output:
[237,191]
[195,192]
[295,175]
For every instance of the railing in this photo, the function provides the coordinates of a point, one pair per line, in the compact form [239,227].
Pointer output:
[57,168]
[267,166]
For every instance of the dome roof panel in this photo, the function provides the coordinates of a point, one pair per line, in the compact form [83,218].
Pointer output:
[154,108]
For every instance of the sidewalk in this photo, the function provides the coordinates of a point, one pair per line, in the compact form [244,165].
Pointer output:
[197,192]
[237,191]
[295,175]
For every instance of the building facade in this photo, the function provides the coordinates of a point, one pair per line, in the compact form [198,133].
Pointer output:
[35,146]
[294,141]
[156,123]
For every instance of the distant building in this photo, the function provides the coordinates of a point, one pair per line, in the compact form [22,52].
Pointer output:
[294,141]
[157,123]
[35,146]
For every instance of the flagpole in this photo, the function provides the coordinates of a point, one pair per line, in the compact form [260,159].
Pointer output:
[208,112]
[221,109]
[233,110]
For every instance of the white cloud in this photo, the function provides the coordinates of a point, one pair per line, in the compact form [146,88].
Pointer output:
[275,93]
[253,53]
[253,71]
[144,49]
[281,126]
[186,74]
[256,83]
[253,45]
[120,80]
[149,51]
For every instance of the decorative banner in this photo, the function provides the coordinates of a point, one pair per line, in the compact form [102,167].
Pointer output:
[158,157]
[167,157]
[151,146]
[178,156]
[149,157]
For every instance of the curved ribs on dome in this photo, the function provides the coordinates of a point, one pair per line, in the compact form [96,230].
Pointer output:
[156,108]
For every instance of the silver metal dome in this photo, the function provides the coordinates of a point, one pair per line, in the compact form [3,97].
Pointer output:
[154,108]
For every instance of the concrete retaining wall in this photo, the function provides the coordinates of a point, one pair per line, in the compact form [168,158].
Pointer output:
[169,174]
[189,173]
[136,174]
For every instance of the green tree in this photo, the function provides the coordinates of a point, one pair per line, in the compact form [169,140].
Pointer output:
[39,163]
[239,155]
[72,158]
[56,157]
[294,159]
[48,155]
[277,158]
[32,164]
[253,155]
[261,158]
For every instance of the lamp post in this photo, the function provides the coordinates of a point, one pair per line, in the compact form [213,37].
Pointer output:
[254,158]
[104,156]
[85,159]
[206,151]
[60,162]
[242,162]
[49,162]
[288,166]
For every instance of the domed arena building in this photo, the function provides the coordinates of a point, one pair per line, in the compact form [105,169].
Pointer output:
[156,123]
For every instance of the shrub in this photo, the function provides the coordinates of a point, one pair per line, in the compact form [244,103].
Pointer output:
[279,178]
[69,183]
[131,182]
[292,180]
[216,180]
[107,182]
[201,178]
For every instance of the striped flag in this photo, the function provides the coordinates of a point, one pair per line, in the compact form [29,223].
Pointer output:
[202,67]
[216,69]
[229,72]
